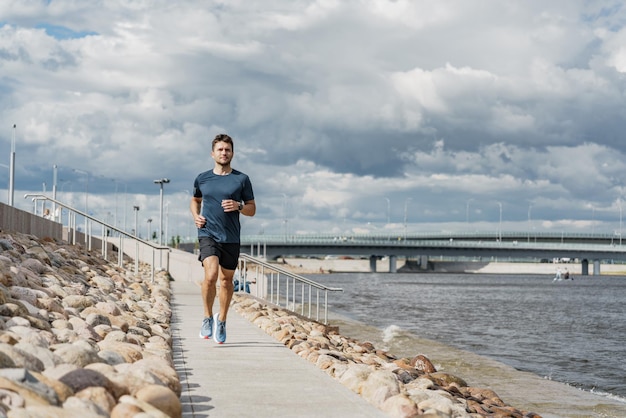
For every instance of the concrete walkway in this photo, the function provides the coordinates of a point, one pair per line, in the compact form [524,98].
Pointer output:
[252,374]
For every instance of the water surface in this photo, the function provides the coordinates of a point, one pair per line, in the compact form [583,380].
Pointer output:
[571,332]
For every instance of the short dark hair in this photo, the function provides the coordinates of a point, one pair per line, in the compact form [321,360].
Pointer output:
[223,138]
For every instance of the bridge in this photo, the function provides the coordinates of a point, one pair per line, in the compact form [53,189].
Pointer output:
[482,246]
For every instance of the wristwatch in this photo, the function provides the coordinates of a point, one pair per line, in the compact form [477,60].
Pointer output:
[240,206]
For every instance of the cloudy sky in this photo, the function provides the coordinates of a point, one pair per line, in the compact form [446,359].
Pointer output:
[349,116]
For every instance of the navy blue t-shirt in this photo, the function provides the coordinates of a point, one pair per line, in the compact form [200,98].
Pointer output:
[212,188]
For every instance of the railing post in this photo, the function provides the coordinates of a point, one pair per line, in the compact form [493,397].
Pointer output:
[317,316]
[73,228]
[326,306]
[87,243]
[120,252]
[136,258]
[103,245]
[303,292]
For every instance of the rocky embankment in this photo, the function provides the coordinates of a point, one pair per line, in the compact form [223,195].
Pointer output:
[80,337]
[400,387]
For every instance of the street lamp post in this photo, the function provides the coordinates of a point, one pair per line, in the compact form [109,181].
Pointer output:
[54,191]
[467,206]
[115,210]
[136,209]
[161,182]
[149,229]
[619,202]
[406,207]
[125,196]
[12,169]
[116,181]
[500,225]
[43,202]
[285,219]
[86,199]
[63,194]
[593,216]
[190,223]
[388,209]
[86,187]
[529,224]
[167,220]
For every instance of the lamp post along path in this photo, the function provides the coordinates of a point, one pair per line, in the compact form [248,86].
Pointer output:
[500,224]
[406,207]
[467,209]
[388,209]
[136,209]
[86,173]
[161,182]
[12,169]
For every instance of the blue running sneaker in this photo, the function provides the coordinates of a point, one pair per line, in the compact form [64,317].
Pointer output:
[219,333]
[206,331]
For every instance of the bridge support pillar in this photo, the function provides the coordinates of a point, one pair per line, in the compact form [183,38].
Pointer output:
[373,260]
[393,260]
[423,262]
[584,264]
[596,267]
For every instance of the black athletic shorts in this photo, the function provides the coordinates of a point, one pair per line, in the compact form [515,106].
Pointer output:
[227,253]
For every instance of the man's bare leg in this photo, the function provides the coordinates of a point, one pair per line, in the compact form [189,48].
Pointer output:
[226,291]
[211,271]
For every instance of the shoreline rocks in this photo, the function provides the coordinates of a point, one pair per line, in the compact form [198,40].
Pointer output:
[400,387]
[80,336]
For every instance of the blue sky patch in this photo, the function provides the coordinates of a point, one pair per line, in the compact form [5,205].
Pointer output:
[61,32]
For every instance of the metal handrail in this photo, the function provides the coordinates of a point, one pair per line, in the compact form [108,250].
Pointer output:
[104,238]
[283,288]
